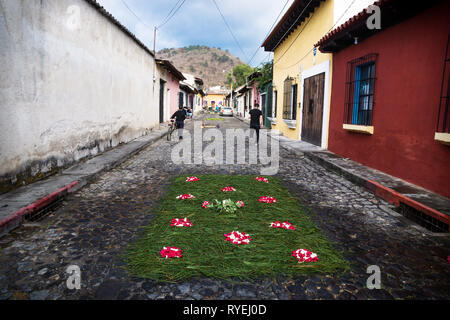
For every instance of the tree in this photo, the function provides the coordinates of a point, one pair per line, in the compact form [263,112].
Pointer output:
[240,74]
[267,74]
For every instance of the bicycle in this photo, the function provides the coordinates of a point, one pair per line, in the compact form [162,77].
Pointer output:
[172,128]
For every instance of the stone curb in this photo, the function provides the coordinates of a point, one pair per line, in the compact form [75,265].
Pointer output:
[383,192]
[17,218]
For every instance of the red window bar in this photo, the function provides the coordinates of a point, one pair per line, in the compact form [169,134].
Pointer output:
[363,116]
[443,124]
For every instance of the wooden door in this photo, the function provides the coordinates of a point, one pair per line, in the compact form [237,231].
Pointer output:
[313,109]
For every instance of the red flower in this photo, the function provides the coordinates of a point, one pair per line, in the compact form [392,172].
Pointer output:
[303,255]
[205,204]
[171,252]
[181,223]
[192,179]
[238,238]
[240,204]
[267,199]
[285,225]
[261,179]
[185,196]
[227,189]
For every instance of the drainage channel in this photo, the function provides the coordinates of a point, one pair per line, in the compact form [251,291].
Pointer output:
[45,212]
[426,221]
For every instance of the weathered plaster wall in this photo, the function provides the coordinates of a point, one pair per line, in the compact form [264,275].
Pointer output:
[72,84]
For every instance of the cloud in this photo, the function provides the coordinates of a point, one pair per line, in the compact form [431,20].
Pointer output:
[199,22]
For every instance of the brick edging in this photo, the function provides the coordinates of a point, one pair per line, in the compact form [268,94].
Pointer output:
[385,193]
[16,219]
[396,198]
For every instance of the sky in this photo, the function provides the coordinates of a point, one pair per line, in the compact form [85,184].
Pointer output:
[198,22]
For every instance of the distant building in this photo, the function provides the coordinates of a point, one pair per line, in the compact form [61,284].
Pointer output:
[169,88]
[195,100]
[215,96]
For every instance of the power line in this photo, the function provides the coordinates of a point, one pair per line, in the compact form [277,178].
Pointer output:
[231,31]
[173,14]
[171,10]
[126,5]
[273,25]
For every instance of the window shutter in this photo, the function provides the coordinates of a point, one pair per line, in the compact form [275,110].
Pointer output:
[287,98]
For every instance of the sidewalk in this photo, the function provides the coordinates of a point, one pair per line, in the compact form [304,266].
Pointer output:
[413,201]
[28,201]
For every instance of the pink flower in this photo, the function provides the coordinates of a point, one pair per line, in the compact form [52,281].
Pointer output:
[267,200]
[192,179]
[261,179]
[185,196]
[285,225]
[171,252]
[240,204]
[205,204]
[303,255]
[181,223]
[227,189]
[238,238]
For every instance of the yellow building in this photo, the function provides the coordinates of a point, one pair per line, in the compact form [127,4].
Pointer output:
[215,96]
[301,73]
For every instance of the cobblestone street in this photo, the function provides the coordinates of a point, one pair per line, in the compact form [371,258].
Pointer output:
[94,226]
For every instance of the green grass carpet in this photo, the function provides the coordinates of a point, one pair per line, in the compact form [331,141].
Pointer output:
[205,251]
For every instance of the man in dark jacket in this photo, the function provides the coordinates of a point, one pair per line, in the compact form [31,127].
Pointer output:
[256,121]
[180,116]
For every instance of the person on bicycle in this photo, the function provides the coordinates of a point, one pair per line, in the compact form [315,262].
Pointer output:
[179,116]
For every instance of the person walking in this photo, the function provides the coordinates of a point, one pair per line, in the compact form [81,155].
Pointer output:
[179,117]
[256,121]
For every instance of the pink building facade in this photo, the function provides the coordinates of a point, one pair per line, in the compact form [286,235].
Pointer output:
[169,88]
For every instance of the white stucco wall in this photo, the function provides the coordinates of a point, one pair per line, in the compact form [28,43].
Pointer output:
[69,87]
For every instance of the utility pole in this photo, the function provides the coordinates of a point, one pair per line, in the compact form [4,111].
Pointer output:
[231,101]
[154,65]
